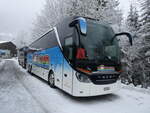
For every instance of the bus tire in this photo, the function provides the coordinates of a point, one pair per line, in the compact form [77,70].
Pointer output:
[29,68]
[51,79]
[24,65]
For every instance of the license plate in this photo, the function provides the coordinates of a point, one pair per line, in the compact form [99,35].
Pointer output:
[106,88]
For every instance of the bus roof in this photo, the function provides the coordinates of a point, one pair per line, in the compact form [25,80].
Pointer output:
[68,30]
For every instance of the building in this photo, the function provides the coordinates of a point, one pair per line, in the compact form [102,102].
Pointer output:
[5,53]
[8,48]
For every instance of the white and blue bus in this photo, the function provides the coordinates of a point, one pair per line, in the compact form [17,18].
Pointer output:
[80,55]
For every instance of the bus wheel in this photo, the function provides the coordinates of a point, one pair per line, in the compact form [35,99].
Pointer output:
[29,68]
[51,80]
[24,65]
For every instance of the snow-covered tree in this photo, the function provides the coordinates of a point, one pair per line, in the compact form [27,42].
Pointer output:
[139,66]
[145,19]
[133,24]
[145,34]
[99,9]
[133,57]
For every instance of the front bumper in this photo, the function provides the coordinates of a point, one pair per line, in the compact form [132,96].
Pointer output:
[90,89]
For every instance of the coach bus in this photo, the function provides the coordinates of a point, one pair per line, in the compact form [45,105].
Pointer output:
[80,55]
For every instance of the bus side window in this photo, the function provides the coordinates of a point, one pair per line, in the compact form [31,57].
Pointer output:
[69,48]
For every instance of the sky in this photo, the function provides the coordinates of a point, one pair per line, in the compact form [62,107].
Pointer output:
[124,6]
[19,15]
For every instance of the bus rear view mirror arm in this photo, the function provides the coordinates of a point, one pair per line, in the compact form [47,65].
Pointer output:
[124,33]
[73,23]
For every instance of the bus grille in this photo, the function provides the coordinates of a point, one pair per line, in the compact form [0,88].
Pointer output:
[104,79]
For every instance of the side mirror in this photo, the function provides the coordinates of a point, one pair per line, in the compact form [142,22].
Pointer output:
[124,33]
[82,25]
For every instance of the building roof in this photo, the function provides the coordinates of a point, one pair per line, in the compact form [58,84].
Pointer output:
[6,43]
[1,42]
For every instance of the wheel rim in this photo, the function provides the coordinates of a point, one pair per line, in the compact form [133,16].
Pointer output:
[51,79]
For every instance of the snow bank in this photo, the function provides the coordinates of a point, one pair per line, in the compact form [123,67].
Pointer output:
[138,88]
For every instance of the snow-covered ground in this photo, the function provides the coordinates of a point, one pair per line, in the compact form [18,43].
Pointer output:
[22,93]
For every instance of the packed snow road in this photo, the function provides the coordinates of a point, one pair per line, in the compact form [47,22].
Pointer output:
[22,93]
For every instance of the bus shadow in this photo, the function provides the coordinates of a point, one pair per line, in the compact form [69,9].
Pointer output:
[85,100]
[92,99]
[89,100]
[42,80]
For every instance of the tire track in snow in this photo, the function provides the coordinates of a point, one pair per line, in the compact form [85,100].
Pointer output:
[16,73]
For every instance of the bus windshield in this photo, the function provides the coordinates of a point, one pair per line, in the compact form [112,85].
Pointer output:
[97,45]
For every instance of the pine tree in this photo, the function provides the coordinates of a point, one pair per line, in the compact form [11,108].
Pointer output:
[133,58]
[137,55]
[133,24]
[145,29]
[144,49]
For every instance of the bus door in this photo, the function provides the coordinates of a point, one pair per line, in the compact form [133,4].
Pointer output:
[67,69]
[67,77]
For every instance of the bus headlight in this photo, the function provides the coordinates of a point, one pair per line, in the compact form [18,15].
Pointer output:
[82,78]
